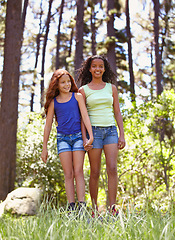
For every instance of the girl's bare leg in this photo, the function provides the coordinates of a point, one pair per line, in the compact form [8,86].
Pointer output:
[111,154]
[78,161]
[66,159]
[95,165]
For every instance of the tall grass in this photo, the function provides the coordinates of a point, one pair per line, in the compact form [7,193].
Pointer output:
[54,224]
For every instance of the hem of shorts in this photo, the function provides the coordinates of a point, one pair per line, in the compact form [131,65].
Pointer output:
[68,150]
[78,149]
[104,145]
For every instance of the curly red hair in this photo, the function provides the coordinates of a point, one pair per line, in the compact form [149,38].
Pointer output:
[53,91]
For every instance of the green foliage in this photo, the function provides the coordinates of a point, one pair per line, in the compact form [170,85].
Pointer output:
[146,165]
[31,171]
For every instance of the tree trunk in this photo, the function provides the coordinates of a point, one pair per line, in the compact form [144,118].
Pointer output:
[151,75]
[111,55]
[34,75]
[156,42]
[24,13]
[58,35]
[70,42]
[9,99]
[79,35]
[131,73]
[44,51]
[165,31]
[93,30]
[38,40]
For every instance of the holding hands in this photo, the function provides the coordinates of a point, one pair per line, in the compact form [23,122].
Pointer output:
[88,144]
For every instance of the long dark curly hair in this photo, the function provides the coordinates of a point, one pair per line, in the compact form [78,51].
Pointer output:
[85,75]
[53,90]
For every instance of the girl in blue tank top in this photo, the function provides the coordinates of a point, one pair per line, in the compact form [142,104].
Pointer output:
[67,105]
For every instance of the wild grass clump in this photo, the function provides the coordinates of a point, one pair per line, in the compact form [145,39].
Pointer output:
[56,223]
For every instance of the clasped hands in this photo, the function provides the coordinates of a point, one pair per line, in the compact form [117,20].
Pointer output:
[87,144]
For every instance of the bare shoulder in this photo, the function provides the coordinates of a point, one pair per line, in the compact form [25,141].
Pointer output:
[50,112]
[114,89]
[78,96]
[81,90]
[51,105]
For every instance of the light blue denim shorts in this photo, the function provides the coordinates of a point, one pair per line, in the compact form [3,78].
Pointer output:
[69,142]
[104,136]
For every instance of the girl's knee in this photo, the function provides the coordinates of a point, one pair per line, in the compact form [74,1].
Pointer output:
[112,170]
[78,173]
[95,174]
[69,175]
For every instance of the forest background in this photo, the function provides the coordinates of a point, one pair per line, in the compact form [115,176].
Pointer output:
[137,37]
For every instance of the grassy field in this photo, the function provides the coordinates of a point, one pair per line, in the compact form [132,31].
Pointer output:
[55,224]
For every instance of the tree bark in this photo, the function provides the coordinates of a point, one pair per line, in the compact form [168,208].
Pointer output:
[111,55]
[70,42]
[9,97]
[93,30]
[131,73]
[34,75]
[24,13]
[38,41]
[159,87]
[58,35]
[44,51]
[79,35]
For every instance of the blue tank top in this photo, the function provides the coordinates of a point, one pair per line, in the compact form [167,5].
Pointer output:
[68,116]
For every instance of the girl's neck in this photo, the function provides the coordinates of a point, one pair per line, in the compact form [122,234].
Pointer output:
[96,85]
[64,97]
[97,81]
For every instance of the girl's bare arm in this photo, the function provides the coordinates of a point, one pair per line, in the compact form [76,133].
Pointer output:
[118,117]
[47,129]
[85,118]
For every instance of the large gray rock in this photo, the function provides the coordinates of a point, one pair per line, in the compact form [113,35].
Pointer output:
[22,201]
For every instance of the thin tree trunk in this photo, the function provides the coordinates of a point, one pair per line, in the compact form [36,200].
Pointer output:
[9,97]
[79,35]
[156,42]
[93,30]
[151,75]
[111,55]
[131,73]
[58,35]
[24,13]
[34,75]
[38,39]
[165,33]
[70,42]
[44,51]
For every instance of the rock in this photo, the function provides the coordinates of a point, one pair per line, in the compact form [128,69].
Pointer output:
[23,201]
[2,205]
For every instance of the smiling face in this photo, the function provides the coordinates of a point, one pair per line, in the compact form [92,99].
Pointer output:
[97,68]
[64,84]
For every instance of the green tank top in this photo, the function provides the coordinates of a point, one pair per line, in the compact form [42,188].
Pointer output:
[99,105]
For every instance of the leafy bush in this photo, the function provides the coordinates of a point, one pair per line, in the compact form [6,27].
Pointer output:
[146,165]
[31,171]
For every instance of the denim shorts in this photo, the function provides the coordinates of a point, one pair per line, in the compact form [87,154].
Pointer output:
[104,136]
[69,142]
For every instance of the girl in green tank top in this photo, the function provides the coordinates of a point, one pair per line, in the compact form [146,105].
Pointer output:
[98,88]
